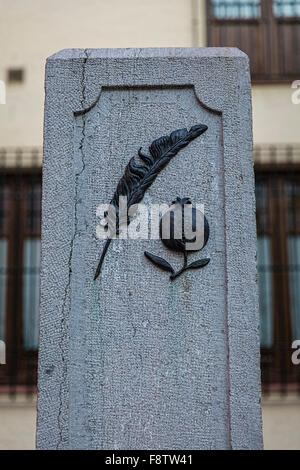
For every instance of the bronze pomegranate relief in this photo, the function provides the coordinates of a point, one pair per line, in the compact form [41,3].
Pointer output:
[183,228]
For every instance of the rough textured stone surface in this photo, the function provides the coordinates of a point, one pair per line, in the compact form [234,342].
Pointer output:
[134,361]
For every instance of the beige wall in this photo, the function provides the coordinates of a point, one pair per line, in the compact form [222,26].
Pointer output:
[281,423]
[17,422]
[275,118]
[31,30]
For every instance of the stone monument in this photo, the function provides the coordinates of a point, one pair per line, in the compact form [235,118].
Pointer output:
[146,352]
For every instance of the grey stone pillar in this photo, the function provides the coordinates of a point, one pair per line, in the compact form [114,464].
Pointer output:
[134,360]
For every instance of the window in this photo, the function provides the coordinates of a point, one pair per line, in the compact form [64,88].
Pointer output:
[278,260]
[15,76]
[20,201]
[267,30]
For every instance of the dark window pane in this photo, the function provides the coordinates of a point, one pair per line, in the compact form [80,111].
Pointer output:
[33,208]
[3,279]
[264,267]
[2,207]
[292,192]
[294,269]
[31,281]
[262,206]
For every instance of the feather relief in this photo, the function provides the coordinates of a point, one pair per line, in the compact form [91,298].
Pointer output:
[138,177]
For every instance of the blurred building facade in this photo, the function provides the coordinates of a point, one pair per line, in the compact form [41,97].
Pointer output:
[269,32]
